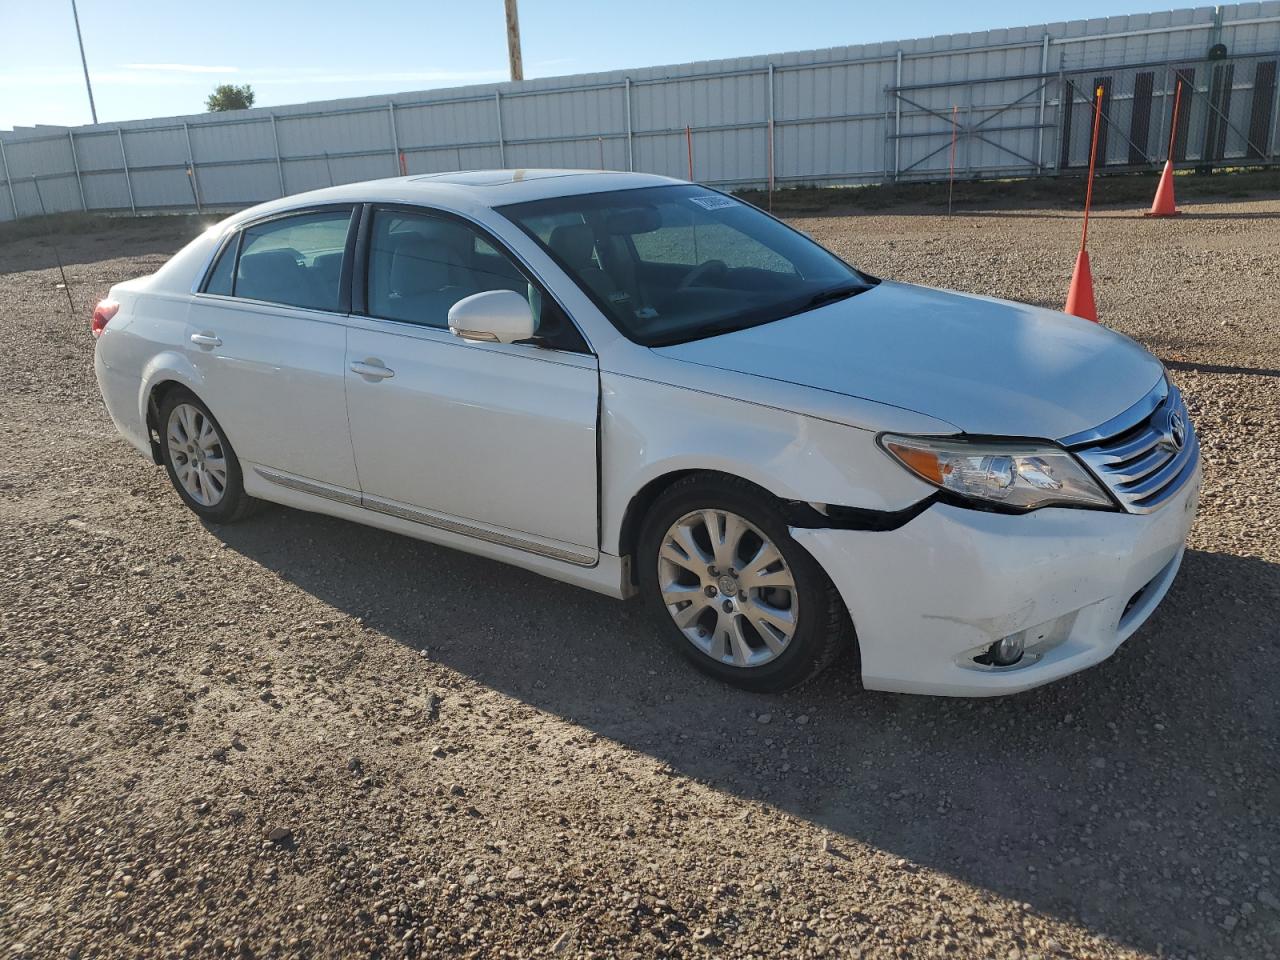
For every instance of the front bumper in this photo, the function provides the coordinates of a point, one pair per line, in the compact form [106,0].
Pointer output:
[933,594]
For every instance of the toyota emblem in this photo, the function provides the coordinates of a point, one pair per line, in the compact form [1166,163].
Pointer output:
[1174,435]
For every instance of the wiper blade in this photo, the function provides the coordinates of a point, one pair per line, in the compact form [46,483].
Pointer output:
[698,333]
[834,294]
[734,324]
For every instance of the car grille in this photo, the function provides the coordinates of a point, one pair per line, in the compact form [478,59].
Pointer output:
[1143,464]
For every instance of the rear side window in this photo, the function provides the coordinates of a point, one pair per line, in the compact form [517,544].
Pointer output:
[220,278]
[295,261]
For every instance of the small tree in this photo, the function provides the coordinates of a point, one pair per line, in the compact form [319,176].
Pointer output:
[228,96]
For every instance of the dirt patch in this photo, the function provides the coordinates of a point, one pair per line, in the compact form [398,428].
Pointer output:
[296,736]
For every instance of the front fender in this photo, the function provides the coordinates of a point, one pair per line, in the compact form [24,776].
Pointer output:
[652,429]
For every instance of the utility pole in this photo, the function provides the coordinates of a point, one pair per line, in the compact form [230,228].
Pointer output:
[83,62]
[513,41]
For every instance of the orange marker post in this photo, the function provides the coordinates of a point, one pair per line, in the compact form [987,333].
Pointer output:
[1080,295]
[1164,205]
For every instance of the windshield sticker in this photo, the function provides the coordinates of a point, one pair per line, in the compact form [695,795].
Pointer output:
[713,203]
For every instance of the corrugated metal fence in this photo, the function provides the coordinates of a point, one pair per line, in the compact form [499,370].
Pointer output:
[1012,102]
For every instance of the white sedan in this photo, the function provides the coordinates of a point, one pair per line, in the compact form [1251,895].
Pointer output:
[636,384]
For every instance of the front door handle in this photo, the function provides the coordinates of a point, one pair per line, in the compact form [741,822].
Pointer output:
[372,369]
[206,340]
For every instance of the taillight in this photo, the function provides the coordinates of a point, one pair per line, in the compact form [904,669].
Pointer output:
[102,314]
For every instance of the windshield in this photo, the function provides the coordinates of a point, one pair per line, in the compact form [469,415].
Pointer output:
[678,263]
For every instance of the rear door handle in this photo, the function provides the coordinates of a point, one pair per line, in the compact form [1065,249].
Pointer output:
[206,340]
[372,369]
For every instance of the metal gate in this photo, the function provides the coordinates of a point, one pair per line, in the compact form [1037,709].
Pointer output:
[1228,115]
[993,125]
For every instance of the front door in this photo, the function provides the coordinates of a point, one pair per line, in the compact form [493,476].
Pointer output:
[490,440]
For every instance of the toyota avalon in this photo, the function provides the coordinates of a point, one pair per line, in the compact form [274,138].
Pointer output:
[644,386]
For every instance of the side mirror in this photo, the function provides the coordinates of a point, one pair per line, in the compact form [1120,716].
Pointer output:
[498,316]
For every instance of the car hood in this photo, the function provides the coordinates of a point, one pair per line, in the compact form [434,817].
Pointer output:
[988,366]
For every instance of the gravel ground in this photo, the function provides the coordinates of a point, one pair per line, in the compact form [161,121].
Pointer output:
[296,736]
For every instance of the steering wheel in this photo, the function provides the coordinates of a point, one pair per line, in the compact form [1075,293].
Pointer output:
[702,272]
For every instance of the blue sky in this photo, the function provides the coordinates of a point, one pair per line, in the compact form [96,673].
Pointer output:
[162,57]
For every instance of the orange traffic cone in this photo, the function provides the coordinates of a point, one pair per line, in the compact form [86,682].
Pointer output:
[1080,296]
[1163,205]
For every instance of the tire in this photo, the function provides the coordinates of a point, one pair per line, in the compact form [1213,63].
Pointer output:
[740,633]
[199,460]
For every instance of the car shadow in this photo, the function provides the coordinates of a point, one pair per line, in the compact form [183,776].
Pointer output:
[1229,368]
[1137,798]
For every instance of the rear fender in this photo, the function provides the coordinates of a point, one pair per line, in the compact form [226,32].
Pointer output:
[168,366]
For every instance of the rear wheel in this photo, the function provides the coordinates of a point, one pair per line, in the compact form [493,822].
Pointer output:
[733,591]
[200,462]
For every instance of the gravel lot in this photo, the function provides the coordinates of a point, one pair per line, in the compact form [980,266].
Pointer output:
[296,736]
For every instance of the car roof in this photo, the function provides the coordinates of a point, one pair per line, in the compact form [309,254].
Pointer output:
[486,188]
[515,186]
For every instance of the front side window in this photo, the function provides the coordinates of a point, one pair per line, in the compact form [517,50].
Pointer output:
[677,263]
[420,265]
[295,260]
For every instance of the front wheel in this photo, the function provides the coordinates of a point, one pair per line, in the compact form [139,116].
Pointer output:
[733,591]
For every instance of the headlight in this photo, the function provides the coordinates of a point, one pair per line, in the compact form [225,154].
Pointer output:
[1017,476]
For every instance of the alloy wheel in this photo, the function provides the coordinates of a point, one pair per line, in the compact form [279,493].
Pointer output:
[197,453]
[728,588]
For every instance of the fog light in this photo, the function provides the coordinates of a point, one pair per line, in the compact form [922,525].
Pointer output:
[1007,651]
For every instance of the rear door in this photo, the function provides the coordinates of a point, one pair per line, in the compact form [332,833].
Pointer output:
[495,441]
[268,339]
